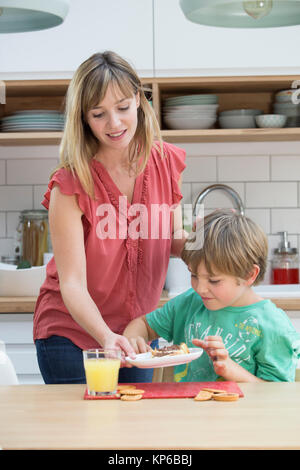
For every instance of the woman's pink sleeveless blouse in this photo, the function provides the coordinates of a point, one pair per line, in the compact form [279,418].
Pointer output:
[127,246]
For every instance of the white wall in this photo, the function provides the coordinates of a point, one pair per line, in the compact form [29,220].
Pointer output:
[152,34]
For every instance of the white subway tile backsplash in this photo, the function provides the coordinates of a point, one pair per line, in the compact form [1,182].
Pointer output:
[2,224]
[244,168]
[7,247]
[269,194]
[13,219]
[39,152]
[200,169]
[14,198]
[32,171]
[186,189]
[266,175]
[285,220]
[38,196]
[2,172]
[285,168]
[262,217]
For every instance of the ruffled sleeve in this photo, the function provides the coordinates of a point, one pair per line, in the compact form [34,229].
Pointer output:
[69,185]
[176,157]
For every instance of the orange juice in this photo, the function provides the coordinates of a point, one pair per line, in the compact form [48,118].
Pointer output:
[102,374]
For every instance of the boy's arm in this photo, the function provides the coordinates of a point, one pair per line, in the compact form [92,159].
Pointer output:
[223,364]
[139,333]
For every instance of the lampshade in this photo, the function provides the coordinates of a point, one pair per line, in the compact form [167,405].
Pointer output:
[18,16]
[242,14]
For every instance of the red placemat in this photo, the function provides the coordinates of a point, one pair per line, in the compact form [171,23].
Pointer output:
[175,389]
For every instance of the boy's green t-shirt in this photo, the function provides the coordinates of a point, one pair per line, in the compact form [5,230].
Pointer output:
[259,337]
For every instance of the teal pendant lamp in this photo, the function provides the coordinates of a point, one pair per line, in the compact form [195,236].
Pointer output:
[242,14]
[17,16]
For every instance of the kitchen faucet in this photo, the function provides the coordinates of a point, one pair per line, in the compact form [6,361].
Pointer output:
[222,187]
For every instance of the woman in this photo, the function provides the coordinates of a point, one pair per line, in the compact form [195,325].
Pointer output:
[110,255]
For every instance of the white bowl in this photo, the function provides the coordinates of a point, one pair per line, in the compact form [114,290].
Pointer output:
[241,112]
[190,122]
[271,120]
[285,96]
[237,122]
[189,108]
[21,282]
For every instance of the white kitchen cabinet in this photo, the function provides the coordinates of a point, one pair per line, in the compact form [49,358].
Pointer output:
[184,48]
[16,332]
[122,26]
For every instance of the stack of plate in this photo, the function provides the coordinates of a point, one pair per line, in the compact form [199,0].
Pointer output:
[190,112]
[286,103]
[33,120]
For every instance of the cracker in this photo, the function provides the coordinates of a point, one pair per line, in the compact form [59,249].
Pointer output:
[203,396]
[213,390]
[226,396]
[131,397]
[132,391]
[125,387]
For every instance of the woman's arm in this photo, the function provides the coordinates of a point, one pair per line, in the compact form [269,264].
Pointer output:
[139,333]
[68,246]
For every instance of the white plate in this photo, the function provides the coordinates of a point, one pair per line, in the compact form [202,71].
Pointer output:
[146,361]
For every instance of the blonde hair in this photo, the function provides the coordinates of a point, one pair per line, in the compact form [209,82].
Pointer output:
[229,243]
[87,88]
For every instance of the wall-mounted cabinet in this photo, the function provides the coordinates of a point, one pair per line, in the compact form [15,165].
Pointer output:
[233,92]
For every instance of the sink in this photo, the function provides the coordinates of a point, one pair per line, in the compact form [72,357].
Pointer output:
[278,290]
[21,282]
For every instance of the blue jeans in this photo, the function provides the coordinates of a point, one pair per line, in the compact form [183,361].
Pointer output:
[61,362]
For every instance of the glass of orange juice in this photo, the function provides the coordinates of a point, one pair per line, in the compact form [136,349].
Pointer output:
[102,371]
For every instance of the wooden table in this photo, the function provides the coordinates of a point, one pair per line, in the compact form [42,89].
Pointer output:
[57,417]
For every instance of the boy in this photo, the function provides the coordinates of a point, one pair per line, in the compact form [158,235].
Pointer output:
[246,338]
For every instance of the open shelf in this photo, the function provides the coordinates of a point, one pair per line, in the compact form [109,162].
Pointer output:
[233,92]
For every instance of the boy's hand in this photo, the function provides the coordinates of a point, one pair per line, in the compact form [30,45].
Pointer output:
[214,347]
[139,345]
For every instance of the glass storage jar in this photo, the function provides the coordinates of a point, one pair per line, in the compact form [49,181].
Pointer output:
[34,236]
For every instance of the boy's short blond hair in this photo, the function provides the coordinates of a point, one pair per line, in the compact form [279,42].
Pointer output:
[228,243]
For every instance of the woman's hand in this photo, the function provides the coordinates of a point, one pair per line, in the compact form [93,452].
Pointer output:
[139,345]
[214,347]
[114,341]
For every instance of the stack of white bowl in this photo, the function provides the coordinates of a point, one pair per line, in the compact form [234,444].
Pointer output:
[286,103]
[190,111]
[239,118]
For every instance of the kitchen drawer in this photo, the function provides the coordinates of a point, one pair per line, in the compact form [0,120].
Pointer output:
[23,357]
[16,328]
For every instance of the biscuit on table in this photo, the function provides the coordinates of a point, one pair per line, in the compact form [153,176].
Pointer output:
[131,397]
[203,396]
[131,391]
[226,396]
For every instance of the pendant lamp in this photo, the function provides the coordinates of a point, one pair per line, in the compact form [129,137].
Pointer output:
[242,14]
[17,16]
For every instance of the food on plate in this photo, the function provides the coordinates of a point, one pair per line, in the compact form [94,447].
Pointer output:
[172,350]
[131,397]
[203,396]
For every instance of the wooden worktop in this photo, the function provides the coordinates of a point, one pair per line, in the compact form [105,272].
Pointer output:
[45,417]
[27,304]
